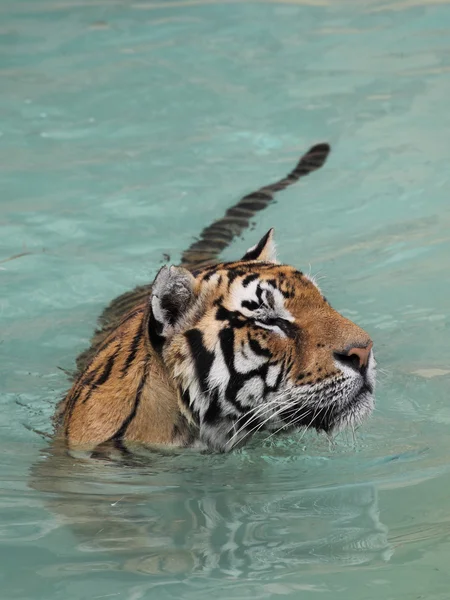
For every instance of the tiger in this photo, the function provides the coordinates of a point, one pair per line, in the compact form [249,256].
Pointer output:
[213,352]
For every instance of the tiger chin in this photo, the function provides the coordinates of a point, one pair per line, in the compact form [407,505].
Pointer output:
[217,354]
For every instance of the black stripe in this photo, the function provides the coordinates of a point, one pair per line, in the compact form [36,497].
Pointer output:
[259,292]
[250,304]
[213,412]
[237,380]
[289,329]
[235,318]
[79,387]
[155,329]
[258,349]
[120,433]
[254,204]
[70,408]
[234,274]
[247,281]
[255,253]
[186,398]
[104,376]
[119,445]
[134,347]
[203,358]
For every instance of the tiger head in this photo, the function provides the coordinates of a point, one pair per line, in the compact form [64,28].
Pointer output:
[254,345]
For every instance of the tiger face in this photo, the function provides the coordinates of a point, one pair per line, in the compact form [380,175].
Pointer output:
[254,345]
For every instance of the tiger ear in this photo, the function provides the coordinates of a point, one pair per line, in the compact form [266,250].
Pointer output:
[264,250]
[171,296]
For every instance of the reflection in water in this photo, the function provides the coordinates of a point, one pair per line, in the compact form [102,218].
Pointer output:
[168,515]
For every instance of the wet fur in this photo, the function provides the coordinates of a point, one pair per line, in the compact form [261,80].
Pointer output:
[184,363]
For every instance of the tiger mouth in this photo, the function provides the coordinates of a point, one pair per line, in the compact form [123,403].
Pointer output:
[354,412]
[329,415]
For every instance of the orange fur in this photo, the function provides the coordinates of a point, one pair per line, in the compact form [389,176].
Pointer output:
[105,394]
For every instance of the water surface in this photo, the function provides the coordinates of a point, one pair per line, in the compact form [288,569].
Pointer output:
[127,126]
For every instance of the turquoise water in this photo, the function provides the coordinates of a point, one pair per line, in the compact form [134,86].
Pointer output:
[127,126]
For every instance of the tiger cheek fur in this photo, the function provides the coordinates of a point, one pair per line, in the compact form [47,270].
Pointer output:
[221,353]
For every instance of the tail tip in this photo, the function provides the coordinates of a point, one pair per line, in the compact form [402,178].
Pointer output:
[323,148]
[316,156]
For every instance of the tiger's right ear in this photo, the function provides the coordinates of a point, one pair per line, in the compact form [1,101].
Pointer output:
[171,297]
[264,250]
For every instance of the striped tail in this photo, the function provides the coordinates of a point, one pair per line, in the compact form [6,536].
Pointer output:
[216,237]
[213,239]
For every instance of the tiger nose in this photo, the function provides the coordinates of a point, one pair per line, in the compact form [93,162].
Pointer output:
[356,357]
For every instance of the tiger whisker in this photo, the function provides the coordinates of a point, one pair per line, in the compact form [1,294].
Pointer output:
[290,402]
[284,405]
[264,411]
[260,410]
[318,408]
[292,424]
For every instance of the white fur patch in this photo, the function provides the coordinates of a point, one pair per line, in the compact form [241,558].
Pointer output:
[251,392]
[240,294]
[219,374]
[158,312]
[272,375]
[271,328]
[246,361]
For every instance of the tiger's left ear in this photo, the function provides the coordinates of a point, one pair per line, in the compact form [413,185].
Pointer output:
[171,297]
[264,250]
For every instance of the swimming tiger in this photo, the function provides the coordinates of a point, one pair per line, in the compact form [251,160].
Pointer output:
[212,353]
